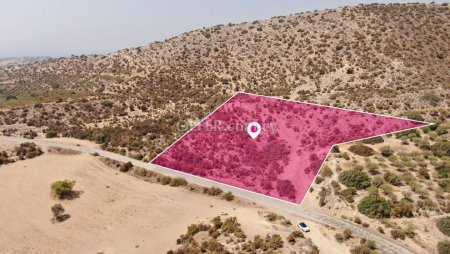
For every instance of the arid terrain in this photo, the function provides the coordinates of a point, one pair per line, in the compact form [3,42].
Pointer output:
[408,172]
[390,59]
[118,213]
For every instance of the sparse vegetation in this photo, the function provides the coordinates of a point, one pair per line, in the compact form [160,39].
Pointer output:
[28,151]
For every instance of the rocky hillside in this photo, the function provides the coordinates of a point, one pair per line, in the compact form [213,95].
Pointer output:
[380,58]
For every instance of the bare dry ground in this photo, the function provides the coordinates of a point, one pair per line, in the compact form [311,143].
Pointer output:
[115,212]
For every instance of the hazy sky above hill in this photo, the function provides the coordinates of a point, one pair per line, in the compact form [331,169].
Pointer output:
[61,28]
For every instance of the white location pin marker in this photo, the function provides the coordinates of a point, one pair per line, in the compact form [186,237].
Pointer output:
[253,129]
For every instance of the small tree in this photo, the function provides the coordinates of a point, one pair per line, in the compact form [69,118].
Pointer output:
[374,207]
[58,211]
[62,189]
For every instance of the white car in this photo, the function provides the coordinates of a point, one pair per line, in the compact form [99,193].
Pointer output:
[303,227]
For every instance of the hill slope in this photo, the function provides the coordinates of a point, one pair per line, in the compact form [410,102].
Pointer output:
[378,58]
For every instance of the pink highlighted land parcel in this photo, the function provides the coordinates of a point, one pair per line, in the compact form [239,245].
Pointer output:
[284,159]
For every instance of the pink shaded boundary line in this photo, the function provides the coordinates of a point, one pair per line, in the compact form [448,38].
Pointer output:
[425,124]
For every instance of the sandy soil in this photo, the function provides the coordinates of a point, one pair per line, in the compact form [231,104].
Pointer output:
[115,213]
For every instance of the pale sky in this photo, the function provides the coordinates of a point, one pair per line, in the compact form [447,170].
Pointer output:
[63,27]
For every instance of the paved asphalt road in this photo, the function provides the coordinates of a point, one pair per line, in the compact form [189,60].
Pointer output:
[382,243]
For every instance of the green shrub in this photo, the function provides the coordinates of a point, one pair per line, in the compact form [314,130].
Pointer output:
[348,194]
[28,150]
[365,247]
[355,178]
[373,141]
[322,196]
[29,134]
[294,235]
[286,223]
[212,246]
[258,243]
[441,130]
[443,224]
[361,150]
[441,148]
[404,208]
[335,149]
[361,249]
[62,189]
[374,207]
[318,180]
[314,250]
[178,181]
[231,226]
[196,228]
[424,173]
[273,217]
[107,104]
[58,211]
[408,134]
[386,151]
[346,156]
[212,191]
[443,247]
[274,241]
[445,184]
[414,115]
[51,134]
[347,234]
[126,167]
[5,158]
[398,234]
[392,179]
[443,169]
[164,180]
[432,97]
[326,171]
[228,196]
[339,237]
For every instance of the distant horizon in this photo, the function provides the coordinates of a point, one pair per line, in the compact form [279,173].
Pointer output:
[54,29]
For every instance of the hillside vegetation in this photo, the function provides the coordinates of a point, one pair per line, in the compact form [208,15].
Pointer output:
[378,58]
